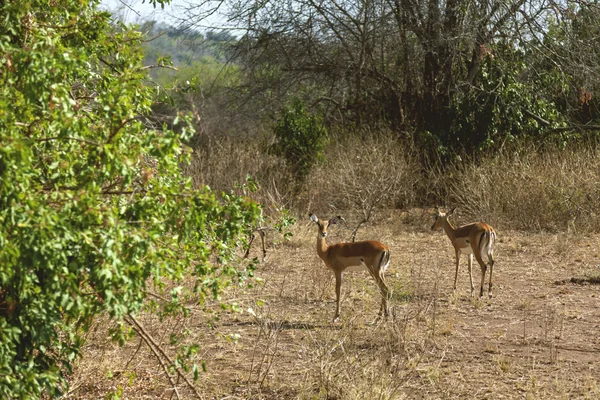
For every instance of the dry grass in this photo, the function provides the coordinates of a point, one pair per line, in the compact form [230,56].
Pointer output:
[363,174]
[534,339]
[357,174]
[221,163]
[555,190]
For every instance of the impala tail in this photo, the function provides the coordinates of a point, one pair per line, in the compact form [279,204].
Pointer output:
[492,243]
[384,262]
[488,239]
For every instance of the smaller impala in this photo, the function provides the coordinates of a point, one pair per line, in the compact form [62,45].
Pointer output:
[473,239]
[369,255]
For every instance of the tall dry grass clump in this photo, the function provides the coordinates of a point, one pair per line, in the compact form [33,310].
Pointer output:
[222,162]
[363,174]
[554,190]
[357,173]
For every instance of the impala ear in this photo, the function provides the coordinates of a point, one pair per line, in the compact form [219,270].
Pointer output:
[451,211]
[313,217]
[334,220]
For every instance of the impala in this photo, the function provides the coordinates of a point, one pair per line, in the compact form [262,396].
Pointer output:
[473,239]
[261,232]
[368,255]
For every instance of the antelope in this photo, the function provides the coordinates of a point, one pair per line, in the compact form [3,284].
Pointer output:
[261,232]
[473,239]
[368,255]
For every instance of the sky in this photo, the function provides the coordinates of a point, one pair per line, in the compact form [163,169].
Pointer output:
[135,11]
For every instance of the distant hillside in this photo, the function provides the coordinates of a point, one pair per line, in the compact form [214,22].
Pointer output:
[184,46]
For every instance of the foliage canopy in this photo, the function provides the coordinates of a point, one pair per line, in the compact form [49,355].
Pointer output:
[94,209]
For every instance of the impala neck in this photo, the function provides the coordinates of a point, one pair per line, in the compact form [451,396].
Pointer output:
[450,230]
[321,245]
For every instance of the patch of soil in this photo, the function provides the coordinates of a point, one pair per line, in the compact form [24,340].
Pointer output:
[538,337]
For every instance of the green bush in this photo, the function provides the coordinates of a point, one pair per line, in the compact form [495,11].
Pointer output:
[301,139]
[501,107]
[94,209]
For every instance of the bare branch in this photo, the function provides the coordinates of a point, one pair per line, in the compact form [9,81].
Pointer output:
[157,349]
[91,142]
[160,66]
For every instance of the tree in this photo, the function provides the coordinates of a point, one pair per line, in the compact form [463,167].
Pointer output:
[395,59]
[567,57]
[94,209]
[412,64]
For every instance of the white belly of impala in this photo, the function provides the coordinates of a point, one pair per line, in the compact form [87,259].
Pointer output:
[355,268]
[467,250]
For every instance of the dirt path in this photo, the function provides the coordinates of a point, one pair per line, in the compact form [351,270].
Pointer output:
[539,337]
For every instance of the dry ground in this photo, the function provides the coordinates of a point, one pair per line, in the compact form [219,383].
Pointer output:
[539,337]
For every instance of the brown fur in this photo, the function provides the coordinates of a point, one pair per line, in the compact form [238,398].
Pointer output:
[470,239]
[369,255]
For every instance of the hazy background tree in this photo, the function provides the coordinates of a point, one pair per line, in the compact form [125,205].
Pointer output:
[417,66]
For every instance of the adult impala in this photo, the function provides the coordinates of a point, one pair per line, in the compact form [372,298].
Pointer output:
[473,239]
[368,255]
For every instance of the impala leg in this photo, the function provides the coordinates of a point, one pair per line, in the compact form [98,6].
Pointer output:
[379,278]
[457,263]
[491,260]
[385,294]
[262,240]
[252,237]
[483,269]
[471,275]
[338,286]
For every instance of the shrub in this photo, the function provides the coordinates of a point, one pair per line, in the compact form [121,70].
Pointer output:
[500,108]
[94,209]
[364,174]
[301,139]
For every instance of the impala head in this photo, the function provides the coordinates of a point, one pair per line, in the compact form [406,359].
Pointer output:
[439,218]
[323,226]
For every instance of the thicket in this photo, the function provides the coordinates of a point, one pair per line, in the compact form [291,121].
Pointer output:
[300,140]
[437,92]
[453,76]
[96,216]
